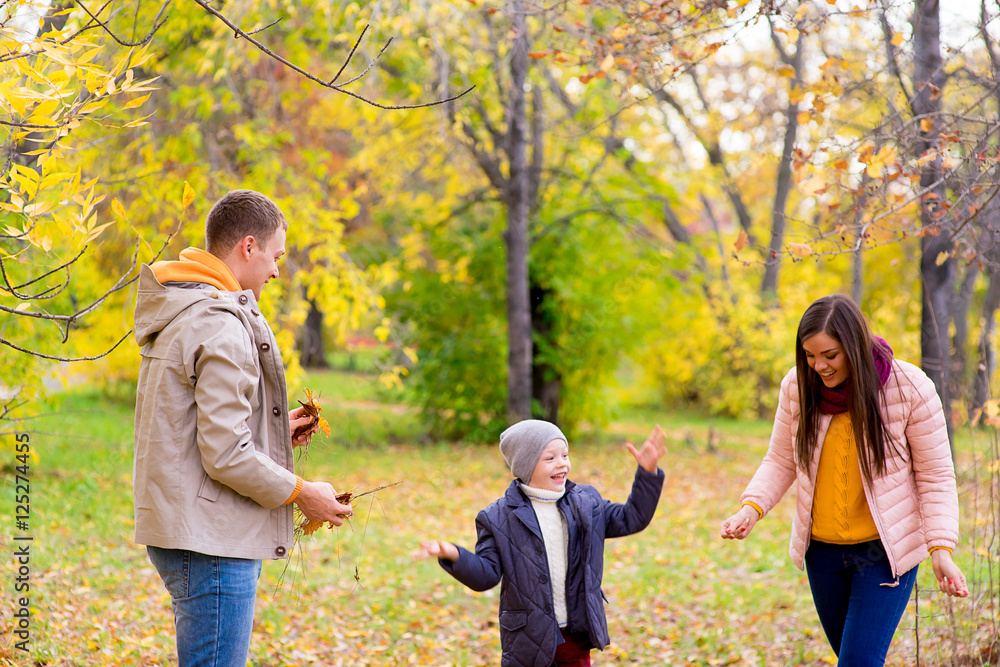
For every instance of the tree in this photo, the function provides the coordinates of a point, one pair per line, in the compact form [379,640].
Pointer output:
[69,91]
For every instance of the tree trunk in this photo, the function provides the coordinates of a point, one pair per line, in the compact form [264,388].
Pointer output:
[937,278]
[769,286]
[518,305]
[987,352]
[311,348]
[546,381]
[960,304]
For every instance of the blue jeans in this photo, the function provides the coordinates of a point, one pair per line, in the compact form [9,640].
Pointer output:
[213,600]
[858,614]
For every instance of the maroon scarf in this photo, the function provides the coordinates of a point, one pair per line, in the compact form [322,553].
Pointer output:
[834,400]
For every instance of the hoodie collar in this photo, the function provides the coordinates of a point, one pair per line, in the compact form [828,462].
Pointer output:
[197,266]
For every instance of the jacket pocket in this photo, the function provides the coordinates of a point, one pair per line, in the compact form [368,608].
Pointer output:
[210,489]
[513,620]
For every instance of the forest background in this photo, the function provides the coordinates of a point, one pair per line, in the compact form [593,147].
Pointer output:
[629,209]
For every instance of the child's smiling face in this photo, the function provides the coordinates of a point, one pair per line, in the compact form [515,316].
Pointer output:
[553,467]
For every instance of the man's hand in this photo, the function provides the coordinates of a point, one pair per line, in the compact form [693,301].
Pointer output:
[297,418]
[651,450]
[436,549]
[318,502]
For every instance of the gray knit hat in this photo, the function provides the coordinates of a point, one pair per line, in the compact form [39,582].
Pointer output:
[522,445]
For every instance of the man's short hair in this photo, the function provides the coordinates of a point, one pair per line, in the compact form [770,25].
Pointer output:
[238,214]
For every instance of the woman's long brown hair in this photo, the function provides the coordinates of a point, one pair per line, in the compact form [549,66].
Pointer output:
[840,318]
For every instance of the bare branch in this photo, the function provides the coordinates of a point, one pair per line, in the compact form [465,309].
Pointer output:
[890,49]
[13,289]
[269,25]
[486,161]
[157,24]
[239,32]
[350,55]
[55,358]
[371,64]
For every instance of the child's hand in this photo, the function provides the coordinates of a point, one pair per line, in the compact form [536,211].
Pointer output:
[651,450]
[436,549]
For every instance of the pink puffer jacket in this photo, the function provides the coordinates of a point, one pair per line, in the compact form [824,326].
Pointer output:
[915,504]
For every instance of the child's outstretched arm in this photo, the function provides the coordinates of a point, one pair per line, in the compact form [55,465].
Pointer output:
[481,570]
[651,451]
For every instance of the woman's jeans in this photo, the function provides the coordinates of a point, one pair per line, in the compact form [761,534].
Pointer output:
[858,613]
[213,600]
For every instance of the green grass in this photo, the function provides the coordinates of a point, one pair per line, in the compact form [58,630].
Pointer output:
[678,594]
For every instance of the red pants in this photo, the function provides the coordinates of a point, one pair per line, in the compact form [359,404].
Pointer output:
[573,652]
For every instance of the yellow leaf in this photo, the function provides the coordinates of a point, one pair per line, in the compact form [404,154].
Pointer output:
[324,426]
[713,47]
[897,39]
[786,70]
[926,124]
[188,195]
[607,63]
[800,249]
[942,258]
[741,240]
[23,306]
[117,207]
[139,101]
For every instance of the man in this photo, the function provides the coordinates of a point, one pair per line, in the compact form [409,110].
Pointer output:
[213,480]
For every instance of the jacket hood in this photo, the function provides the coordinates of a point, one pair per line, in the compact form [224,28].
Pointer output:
[156,306]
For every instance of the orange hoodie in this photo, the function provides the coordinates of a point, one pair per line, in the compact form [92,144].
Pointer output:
[197,266]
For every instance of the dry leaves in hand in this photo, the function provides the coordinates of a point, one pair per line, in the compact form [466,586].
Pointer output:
[312,409]
[310,527]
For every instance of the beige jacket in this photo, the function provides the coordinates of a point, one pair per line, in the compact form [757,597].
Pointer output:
[915,504]
[213,452]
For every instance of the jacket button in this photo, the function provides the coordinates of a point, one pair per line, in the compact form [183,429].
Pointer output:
[538,551]
[280,552]
[543,579]
[548,609]
[276,411]
[243,299]
[265,346]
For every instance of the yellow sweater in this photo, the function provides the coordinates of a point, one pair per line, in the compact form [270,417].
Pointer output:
[840,510]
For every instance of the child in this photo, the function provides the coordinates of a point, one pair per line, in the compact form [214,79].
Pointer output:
[544,540]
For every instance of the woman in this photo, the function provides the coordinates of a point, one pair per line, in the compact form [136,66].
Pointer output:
[864,437]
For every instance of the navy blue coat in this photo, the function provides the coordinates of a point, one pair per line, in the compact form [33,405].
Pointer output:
[510,551]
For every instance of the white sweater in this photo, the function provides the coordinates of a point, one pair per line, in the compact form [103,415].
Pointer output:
[555,535]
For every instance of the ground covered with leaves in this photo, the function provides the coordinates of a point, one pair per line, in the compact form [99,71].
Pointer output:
[678,595]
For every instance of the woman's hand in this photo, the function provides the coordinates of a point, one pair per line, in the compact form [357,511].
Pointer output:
[949,576]
[436,549]
[739,525]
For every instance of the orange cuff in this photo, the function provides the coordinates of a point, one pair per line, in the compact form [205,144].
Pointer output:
[295,493]
[754,505]
[933,549]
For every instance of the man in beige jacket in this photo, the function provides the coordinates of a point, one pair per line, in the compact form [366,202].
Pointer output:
[213,480]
